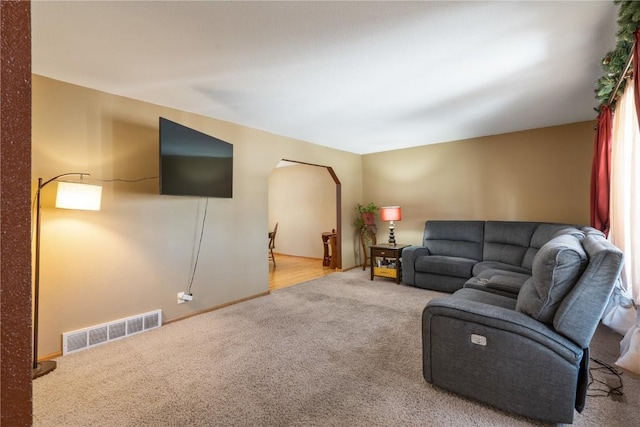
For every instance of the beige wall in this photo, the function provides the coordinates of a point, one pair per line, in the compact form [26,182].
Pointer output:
[302,200]
[535,175]
[136,253]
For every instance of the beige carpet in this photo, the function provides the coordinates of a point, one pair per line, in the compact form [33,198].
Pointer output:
[337,351]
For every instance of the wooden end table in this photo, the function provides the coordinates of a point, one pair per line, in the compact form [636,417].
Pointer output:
[386,260]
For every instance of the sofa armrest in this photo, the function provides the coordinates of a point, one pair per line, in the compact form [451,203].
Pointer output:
[458,306]
[409,256]
[475,344]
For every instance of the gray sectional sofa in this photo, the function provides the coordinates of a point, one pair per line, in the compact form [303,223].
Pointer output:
[496,255]
[527,298]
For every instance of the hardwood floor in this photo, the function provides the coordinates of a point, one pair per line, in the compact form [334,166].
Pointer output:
[291,270]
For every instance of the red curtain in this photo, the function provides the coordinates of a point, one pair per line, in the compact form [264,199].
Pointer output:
[600,172]
[601,166]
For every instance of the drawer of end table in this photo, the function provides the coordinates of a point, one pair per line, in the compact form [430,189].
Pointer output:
[385,272]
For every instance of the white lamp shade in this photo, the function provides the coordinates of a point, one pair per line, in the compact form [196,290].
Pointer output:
[73,195]
[391,213]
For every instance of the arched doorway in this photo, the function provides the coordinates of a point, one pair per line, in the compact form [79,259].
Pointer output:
[313,207]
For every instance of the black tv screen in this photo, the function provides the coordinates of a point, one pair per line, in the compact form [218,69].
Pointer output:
[193,163]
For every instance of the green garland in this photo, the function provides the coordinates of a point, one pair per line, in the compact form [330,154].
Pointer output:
[615,61]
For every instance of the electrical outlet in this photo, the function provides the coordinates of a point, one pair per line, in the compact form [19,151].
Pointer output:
[180,300]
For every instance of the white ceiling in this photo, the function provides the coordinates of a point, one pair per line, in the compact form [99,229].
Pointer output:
[358,76]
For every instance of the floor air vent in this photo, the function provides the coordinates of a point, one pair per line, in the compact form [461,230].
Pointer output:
[95,335]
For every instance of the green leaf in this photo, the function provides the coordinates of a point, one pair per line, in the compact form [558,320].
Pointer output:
[628,22]
[604,92]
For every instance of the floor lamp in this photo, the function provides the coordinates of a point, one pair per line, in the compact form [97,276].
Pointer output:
[70,195]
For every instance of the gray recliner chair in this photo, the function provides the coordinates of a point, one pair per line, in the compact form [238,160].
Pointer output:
[528,355]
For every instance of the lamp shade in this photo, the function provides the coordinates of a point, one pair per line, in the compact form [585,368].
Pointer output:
[391,213]
[73,195]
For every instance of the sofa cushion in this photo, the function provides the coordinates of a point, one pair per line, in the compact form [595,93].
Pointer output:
[501,282]
[507,241]
[454,238]
[483,266]
[491,272]
[501,285]
[445,265]
[556,268]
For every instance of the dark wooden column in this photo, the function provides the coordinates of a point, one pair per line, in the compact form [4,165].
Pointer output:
[15,214]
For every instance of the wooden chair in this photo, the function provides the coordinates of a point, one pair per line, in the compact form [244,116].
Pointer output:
[272,244]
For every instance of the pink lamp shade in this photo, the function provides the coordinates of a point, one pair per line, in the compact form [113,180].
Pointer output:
[391,213]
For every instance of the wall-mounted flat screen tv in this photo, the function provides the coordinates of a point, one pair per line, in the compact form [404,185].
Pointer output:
[193,163]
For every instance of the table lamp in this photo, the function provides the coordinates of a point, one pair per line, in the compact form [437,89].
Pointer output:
[391,213]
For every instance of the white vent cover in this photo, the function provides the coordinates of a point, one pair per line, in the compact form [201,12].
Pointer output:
[95,335]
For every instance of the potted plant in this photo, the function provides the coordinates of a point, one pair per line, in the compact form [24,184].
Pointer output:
[367,216]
